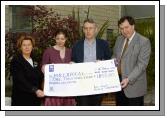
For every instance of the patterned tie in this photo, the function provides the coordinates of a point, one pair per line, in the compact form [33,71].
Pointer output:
[119,65]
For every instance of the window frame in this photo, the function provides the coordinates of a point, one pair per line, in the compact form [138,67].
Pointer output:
[15,17]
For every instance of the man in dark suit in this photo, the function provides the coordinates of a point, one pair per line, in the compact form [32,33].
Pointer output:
[132,50]
[90,49]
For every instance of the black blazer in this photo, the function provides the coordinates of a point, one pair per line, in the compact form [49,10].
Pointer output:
[102,51]
[26,80]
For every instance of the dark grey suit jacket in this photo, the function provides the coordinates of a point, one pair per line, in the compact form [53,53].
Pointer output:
[134,63]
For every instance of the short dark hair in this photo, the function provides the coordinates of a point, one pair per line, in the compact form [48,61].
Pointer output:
[128,18]
[89,21]
[61,31]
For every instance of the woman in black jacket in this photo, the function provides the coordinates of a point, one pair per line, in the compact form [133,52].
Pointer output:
[26,75]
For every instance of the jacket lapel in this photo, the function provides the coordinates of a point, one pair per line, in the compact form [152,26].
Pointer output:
[25,62]
[82,51]
[131,45]
[97,49]
[120,47]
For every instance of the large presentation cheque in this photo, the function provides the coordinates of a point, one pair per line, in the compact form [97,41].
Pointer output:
[80,79]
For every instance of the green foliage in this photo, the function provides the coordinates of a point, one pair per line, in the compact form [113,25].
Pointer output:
[147,28]
[88,12]
[79,28]
[111,39]
[103,28]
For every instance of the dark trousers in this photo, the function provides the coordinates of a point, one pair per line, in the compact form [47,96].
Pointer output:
[91,100]
[122,100]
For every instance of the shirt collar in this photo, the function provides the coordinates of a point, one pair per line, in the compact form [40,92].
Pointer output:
[130,39]
[87,41]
